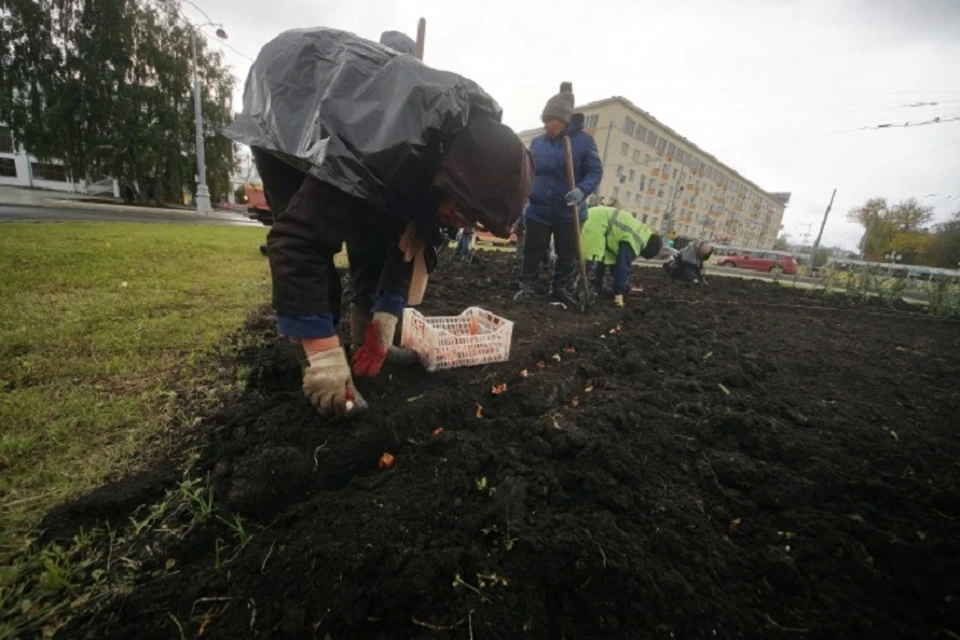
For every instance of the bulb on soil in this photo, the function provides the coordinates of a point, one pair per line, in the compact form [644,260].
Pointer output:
[386,461]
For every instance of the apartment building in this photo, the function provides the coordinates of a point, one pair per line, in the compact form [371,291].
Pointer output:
[672,184]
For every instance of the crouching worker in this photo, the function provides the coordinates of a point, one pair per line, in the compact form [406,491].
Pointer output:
[688,263]
[612,238]
[428,155]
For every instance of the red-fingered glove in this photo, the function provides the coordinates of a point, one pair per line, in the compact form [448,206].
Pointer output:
[368,359]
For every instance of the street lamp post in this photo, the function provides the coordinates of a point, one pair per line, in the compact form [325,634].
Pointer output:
[203,192]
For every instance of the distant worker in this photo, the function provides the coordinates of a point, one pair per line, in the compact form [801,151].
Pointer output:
[464,250]
[688,263]
[613,238]
[548,213]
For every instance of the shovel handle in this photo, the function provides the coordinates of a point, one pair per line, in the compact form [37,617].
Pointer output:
[575,208]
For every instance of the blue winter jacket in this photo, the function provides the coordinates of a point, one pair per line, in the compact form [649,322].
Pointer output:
[550,185]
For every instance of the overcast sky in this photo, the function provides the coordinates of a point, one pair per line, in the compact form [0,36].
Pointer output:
[777,89]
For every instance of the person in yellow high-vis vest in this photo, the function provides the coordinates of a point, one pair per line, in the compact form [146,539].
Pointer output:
[613,238]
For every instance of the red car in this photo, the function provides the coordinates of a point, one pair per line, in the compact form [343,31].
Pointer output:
[772,261]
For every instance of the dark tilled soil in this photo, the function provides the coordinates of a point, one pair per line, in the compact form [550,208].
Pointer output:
[743,461]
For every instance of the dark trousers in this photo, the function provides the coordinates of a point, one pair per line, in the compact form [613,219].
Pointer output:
[312,221]
[621,270]
[537,244]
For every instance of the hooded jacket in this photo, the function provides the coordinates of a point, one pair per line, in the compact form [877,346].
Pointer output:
[547,202]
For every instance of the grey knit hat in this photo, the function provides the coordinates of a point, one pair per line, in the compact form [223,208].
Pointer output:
[560,106]
[398,41]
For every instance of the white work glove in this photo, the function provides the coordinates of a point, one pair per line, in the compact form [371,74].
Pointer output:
[329,386]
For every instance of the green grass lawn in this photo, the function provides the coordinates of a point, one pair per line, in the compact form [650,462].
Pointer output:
[97,320]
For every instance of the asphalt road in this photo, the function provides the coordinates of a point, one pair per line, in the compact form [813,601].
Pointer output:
[44,214]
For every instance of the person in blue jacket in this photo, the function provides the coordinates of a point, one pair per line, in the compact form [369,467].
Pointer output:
[548,211]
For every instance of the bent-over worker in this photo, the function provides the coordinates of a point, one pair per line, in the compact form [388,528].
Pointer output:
[613,238]
[688,263]
[477,171]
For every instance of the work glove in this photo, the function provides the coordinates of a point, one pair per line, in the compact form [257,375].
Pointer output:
[359,319]
[618,301]
[368,359]
[329,386]
[575,197]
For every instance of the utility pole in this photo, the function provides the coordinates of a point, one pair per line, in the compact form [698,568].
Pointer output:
[203,193]
[816,243]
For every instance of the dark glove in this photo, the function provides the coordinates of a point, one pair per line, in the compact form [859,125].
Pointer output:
[575,197]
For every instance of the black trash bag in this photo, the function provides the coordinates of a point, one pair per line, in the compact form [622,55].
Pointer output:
[357,115]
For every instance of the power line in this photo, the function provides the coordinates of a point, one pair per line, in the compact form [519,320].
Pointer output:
[937,120]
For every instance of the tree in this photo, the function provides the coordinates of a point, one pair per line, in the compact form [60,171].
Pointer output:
[944,249]
[783,242]
[909,216]
[106,87]
[882,223]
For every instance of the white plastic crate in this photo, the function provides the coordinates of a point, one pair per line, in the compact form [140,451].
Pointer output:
[446,342]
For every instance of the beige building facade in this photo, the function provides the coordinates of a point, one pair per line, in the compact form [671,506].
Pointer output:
[672,184]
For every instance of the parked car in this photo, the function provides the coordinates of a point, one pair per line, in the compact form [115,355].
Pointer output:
[771,261]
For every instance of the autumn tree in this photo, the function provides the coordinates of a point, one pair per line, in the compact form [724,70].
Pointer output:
[883,223]
[944,249]
[105,86]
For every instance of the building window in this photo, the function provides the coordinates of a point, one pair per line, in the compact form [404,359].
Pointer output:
[633,176]
[8,168]
[6,140]
[652,139]
[661,145]
[626,197]
[641,133]
[628,126]
[624,149]
[48,171]
[643,179]
[591,122]
[636,156]
[616,192]
[671,149]
[644,218]
[637,199]
[680,155]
